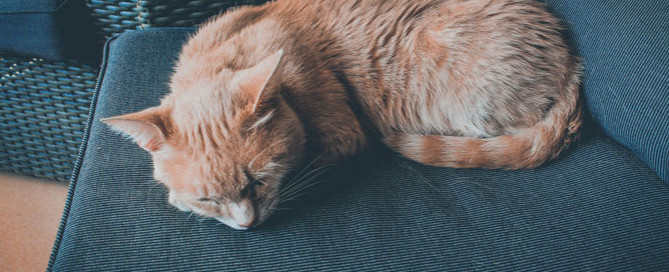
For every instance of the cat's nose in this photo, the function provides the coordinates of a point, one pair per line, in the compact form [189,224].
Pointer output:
[247,224]
[243,214]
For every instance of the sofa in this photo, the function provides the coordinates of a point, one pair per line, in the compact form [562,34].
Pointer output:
[602,206]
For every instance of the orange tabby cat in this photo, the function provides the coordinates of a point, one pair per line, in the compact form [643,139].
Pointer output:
[259,91]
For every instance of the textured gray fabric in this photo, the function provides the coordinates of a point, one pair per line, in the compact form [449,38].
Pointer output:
[625,45]
[597,208]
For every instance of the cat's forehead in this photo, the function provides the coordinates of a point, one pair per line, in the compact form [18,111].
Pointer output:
[194,76]
[211,126]
[204,108]
[200,95]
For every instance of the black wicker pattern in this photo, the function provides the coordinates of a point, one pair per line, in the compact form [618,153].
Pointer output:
[114,16]
[43,110]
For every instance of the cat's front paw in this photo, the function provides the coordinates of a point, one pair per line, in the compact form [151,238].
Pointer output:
[176,203]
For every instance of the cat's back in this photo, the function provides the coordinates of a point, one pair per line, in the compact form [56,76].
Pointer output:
[466,67]
[480,67]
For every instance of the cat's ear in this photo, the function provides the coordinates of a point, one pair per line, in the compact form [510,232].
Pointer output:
[255,80]
[148,128]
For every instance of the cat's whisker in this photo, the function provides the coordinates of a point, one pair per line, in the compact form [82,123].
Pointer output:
[197,217]
[293,198]
[261,182]
[296,185]
[293,185]
[297,181]
[306,185]
[293,181]
[275,209]
[302,188]
[261,152]
[307,166]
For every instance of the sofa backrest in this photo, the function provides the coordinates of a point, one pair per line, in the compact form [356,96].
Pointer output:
[51,29]
[116,16]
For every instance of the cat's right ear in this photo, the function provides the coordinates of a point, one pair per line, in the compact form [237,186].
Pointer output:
[255,80]
[148,128]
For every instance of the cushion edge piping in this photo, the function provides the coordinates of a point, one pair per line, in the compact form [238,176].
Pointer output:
[80,157]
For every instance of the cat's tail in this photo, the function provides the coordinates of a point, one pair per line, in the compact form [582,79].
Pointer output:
[528,148]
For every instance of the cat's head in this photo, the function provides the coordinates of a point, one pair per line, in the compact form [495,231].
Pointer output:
[221,141]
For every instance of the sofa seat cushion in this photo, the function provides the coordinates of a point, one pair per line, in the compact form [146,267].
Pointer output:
[597,208]
[51,29]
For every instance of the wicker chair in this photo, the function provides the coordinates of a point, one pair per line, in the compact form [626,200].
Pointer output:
[44,104]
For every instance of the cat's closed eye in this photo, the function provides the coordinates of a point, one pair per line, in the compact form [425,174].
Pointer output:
[209,200]
[249,189]
[253,181]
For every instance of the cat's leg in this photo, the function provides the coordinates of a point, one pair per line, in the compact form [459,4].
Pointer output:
[338,145]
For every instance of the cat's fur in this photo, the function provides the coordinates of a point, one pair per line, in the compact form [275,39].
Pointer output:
[260,90]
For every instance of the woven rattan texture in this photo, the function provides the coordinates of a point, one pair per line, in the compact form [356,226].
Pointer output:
[114,16]
[43,110]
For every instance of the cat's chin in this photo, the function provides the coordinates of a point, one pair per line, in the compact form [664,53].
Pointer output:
[230,223]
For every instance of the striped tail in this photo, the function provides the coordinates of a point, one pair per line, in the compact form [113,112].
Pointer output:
[529,148]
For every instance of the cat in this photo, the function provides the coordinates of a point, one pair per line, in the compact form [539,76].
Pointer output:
[259,91]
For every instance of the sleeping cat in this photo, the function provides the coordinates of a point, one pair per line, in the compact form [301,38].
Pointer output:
[260,91]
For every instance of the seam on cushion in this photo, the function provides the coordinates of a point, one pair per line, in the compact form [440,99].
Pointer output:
[80,157]
[56,9]
[150,29]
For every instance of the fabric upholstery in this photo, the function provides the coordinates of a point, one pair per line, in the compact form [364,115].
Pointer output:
[625,45]
[598,208]
[51,29]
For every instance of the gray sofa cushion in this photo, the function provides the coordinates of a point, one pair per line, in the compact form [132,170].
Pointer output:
[597,208]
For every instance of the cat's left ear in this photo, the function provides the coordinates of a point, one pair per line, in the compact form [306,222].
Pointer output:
[148,128]
[255,80]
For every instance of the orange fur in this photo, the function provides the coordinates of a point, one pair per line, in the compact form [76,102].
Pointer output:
[260,90]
